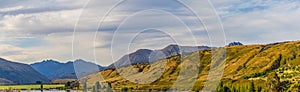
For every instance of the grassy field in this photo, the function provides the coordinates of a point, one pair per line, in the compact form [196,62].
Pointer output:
[29,87]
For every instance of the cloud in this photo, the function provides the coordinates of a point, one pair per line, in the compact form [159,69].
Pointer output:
[40,23]
[34,6]
[277,22]
[35,30]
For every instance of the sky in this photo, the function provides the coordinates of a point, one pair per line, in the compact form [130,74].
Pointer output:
[102,31]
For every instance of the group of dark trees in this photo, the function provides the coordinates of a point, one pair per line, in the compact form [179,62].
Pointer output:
[273,84]
[245,88]
[256,75]
[97,87]
[72,85]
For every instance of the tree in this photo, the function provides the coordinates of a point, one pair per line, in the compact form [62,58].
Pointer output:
[94,89]
[109,88]
[38,82]
[124,89]
[273,82]
[98,86]
[75,84]
[68,85]
[226,89]
[220,87]
[252,88]
[259,89]
[41,83]
[284,86]
[109,84]
[84,87]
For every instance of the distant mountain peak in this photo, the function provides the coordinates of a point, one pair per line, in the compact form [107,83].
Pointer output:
[172,46]
[79,60]
[69,62]
[50,61]
[58,70]
[141,51]
[19,72]
[235,43]
[142,55]
[4,60]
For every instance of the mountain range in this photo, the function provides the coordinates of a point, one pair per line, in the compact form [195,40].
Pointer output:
[146,55]
[13,72]
[261,67]
[45,71]
[245,65]
[55,70]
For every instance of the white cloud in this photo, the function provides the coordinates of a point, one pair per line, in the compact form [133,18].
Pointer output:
[11,8]
[48,26]
[40,23]
[277,22]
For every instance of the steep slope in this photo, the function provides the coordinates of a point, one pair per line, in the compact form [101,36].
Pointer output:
[83,68]
[142,55]
[12,72]
[173,50]
[56,70]
[243,64]
[5,81]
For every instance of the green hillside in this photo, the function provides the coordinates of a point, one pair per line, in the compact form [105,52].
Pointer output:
[248,68]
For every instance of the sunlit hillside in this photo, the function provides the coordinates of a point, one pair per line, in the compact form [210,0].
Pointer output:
[266,67]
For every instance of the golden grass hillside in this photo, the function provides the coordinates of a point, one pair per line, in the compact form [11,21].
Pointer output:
[243,64]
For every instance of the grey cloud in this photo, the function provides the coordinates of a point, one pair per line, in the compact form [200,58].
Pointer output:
[246,21]
[35,6]
[272,24]
[104,46]
[38,10]
[231,8]
[9,53]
